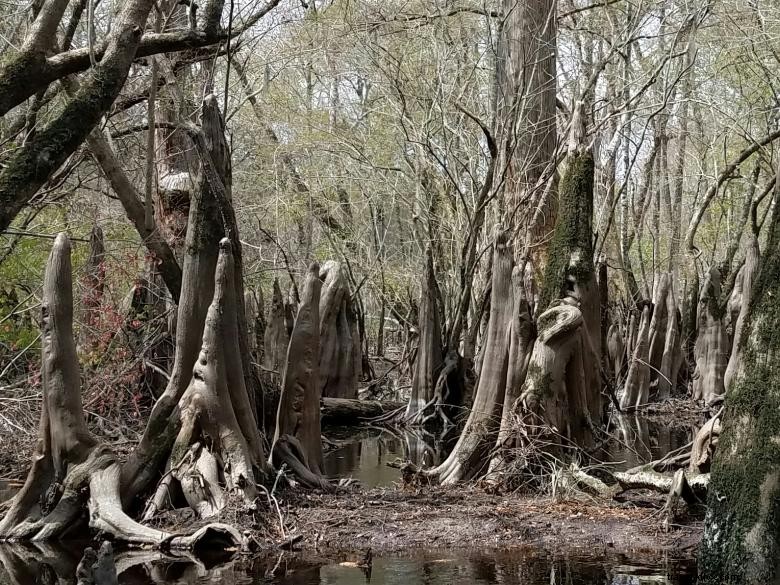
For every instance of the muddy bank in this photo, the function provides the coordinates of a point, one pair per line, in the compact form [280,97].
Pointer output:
[394,520]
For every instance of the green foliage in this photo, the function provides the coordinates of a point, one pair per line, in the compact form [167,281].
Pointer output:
[571,249]
[741,543]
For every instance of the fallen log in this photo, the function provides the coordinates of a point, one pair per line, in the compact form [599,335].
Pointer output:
[348,411]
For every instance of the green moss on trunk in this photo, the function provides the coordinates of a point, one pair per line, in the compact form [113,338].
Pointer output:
[571,250]
[741,543]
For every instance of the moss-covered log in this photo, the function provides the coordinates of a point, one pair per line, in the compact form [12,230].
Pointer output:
[741,543]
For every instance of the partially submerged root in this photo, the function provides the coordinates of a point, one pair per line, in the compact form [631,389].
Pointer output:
[69,463]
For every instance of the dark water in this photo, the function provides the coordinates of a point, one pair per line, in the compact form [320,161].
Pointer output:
[637,440]
[364,454]
[23,565]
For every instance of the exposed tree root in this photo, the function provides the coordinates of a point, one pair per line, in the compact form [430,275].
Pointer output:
[69,463]
[211,446]
[297,440]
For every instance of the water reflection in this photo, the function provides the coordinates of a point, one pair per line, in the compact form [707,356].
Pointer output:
[638,440]
[364,455]
[26,564]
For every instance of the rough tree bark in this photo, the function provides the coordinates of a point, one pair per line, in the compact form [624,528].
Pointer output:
[428,361]
[711,351]
[636,390]
[297,440]
[69,463]
[339,367]
[741,543]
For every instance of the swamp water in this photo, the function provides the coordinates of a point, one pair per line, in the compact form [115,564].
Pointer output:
[28,565]
[363,454]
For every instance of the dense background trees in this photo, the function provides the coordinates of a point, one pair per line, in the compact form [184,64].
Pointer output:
[536,209]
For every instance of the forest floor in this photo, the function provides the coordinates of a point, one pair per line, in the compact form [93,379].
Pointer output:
[398,519]
[402,519]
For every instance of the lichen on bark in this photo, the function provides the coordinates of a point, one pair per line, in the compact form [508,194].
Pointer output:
[741,543]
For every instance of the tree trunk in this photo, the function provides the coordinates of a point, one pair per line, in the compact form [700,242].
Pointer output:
[469,456]
[659,324]
[747,282]
[617,351]
[69,463]
[277,337]
[570,274]
[94,285]
[429,357]
[741,543]
[525,111]
[672,354]
[297,440]
[636,390]
[521,338]
[339,367]
[711,349]
[204,232]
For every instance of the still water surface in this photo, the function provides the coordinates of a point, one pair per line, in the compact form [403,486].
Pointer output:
[27,565]
[364,454]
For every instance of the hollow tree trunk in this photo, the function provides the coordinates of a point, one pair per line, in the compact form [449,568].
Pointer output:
[428,361]
[711,349]
[741,542]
